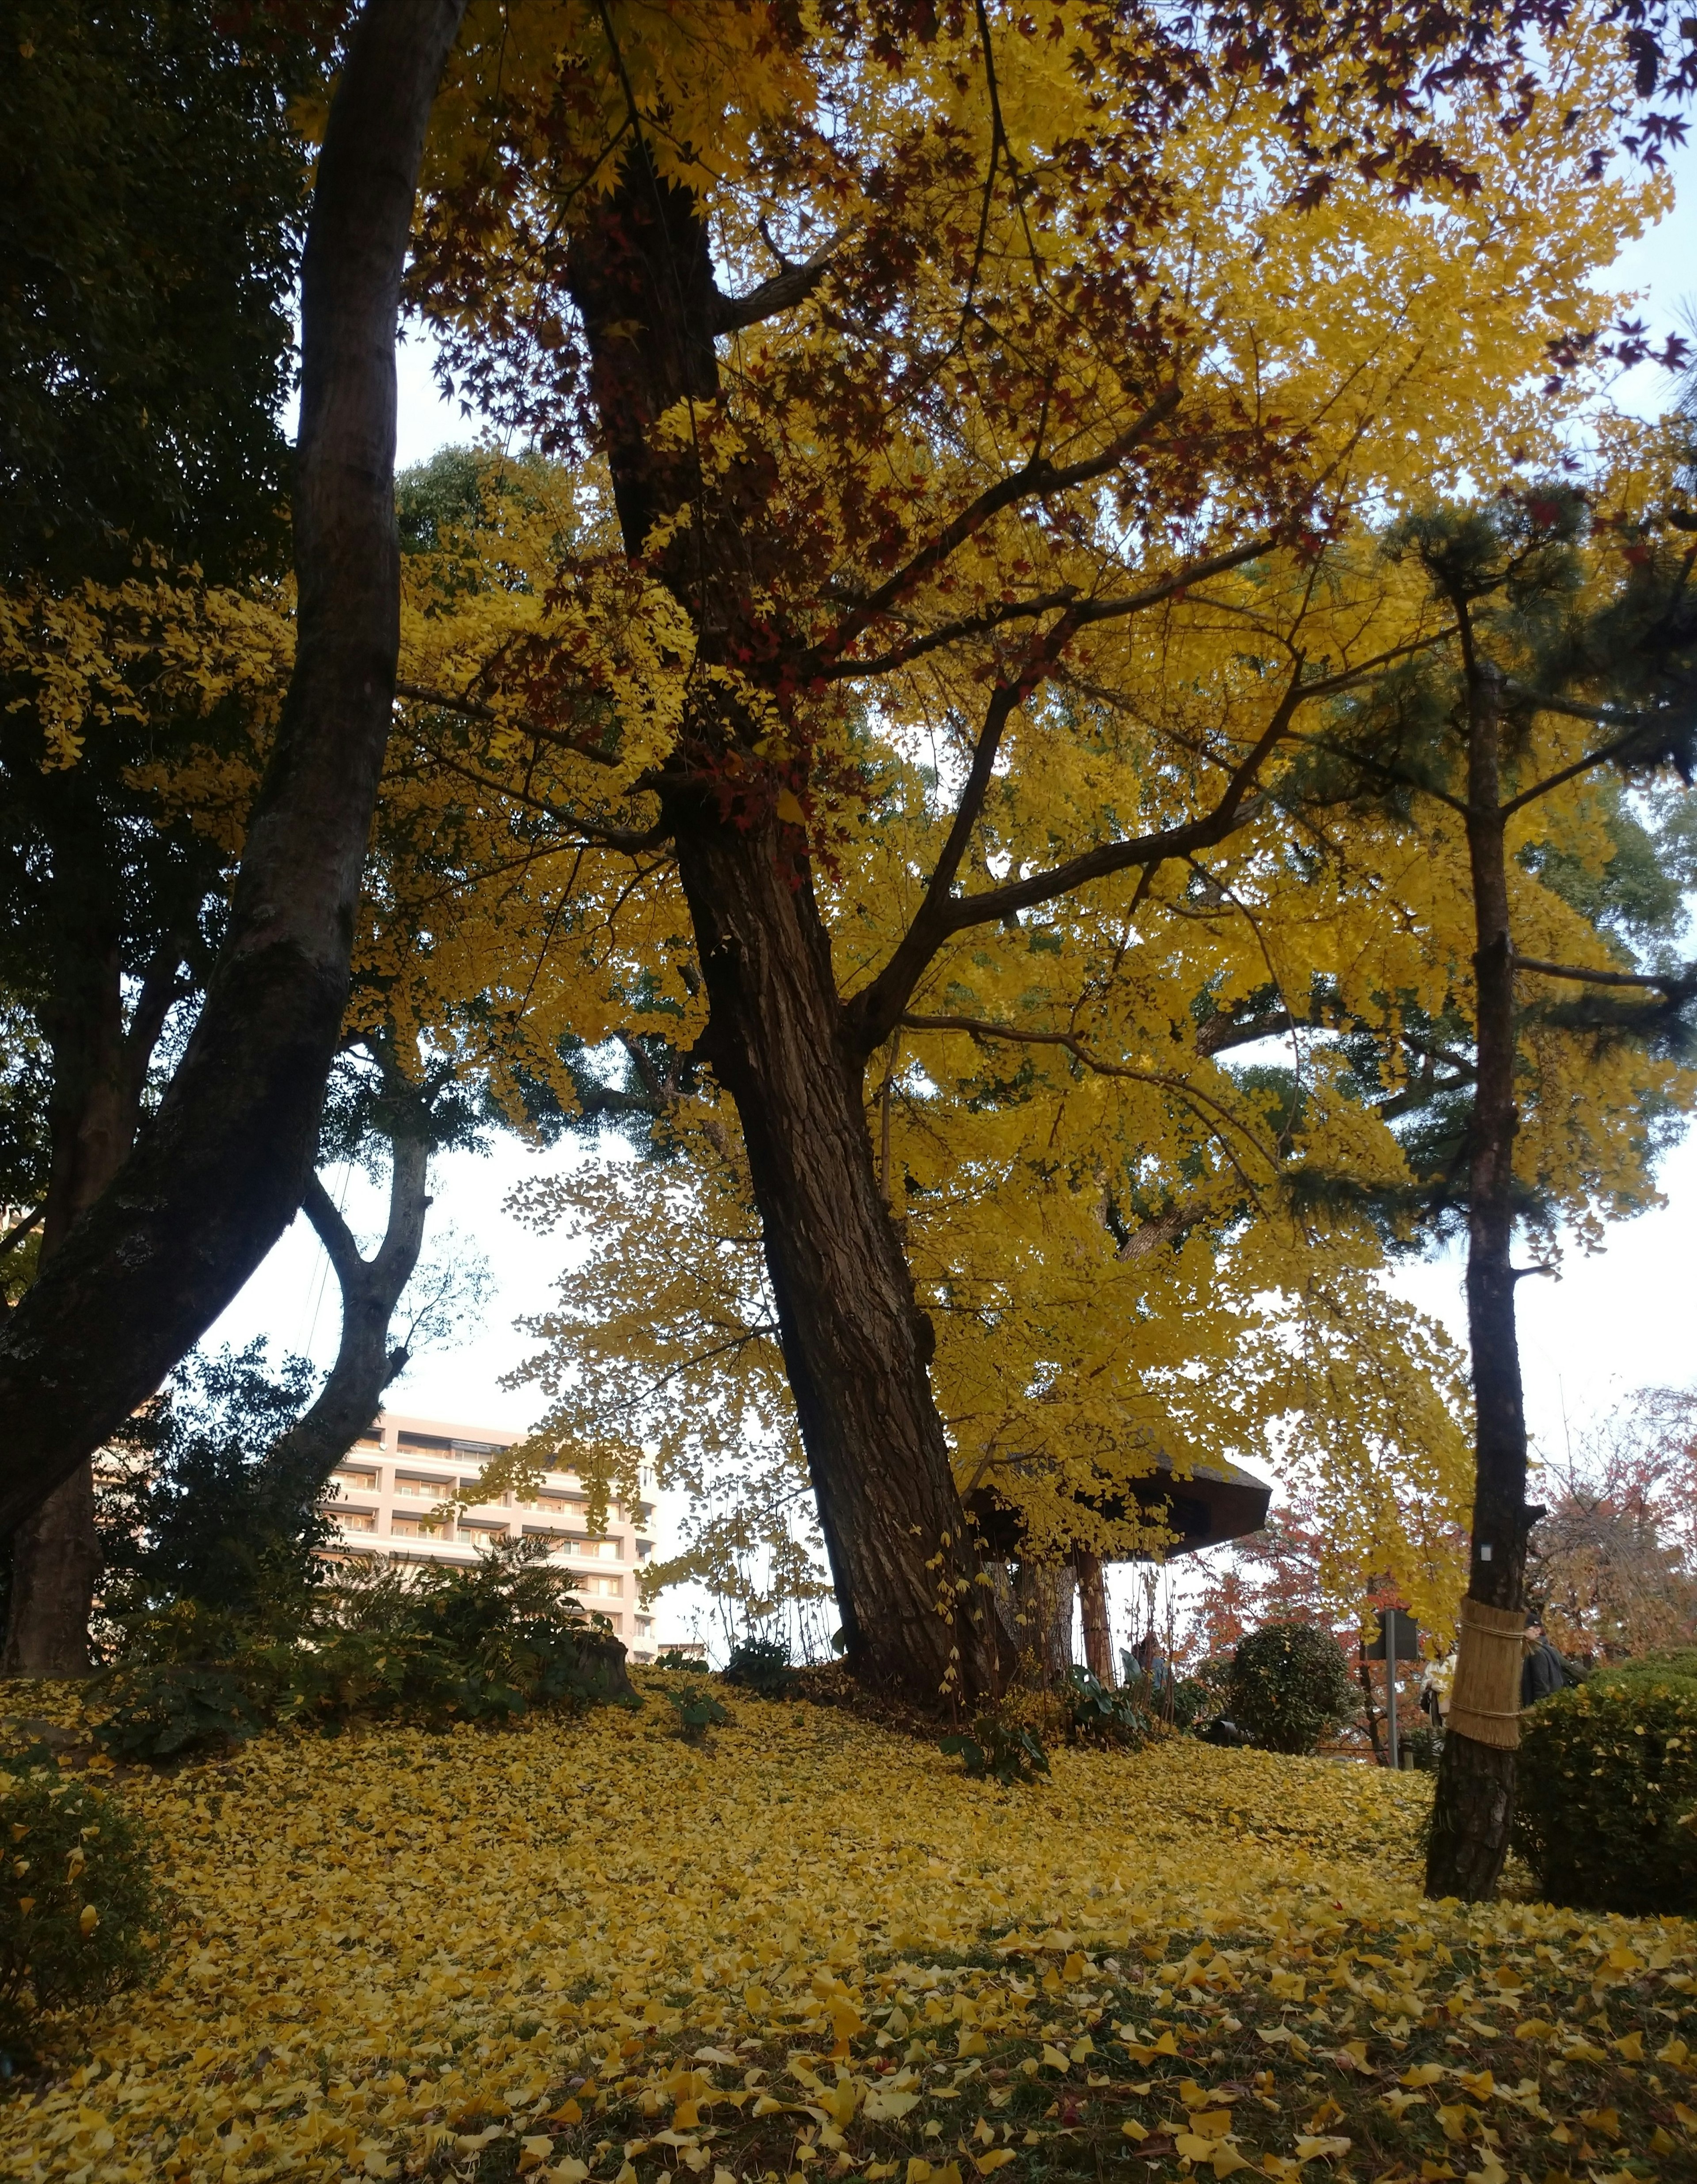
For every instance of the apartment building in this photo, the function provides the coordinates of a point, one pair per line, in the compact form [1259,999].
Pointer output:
[392,1484]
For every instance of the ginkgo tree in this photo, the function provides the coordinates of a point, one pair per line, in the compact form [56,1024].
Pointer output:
[1066,334]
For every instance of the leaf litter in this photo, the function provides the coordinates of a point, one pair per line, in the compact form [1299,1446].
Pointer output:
[579,1950]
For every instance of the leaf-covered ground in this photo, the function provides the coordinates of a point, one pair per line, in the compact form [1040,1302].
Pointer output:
[586,1949]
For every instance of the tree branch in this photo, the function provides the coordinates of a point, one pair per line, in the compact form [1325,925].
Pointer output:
[472,709]
[1681,983]
[1033,480]
[19,1229]
[333,1232]
[729,314]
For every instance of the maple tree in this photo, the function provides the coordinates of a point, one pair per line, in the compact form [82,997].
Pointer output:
[1612,1561]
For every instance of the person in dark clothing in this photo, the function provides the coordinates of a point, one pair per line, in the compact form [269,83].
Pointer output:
[1545,1671]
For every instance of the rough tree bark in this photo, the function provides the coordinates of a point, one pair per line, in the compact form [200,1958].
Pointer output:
[365,1362]
[1099,1633]
[99,1066]
[1046,1592]
[1474,1808]
[856,1346]
[221,1170]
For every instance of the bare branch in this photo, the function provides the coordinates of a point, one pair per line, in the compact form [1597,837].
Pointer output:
[19,1229]
[471,709]
[1679,983]
[782,292]
[333,1232]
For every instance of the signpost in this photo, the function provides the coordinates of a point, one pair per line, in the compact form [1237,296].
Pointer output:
[1398,1640]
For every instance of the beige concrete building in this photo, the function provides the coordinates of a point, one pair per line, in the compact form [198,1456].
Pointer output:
[393,1480]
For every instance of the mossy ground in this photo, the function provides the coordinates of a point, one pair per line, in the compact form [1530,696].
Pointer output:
[585,1948]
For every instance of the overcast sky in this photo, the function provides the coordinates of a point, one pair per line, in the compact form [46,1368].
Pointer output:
[1614,1321]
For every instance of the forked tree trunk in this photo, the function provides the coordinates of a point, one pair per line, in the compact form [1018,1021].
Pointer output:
[1093,1600]
[220,1171]
[1473,1812]
[916,1607]
[365,1362]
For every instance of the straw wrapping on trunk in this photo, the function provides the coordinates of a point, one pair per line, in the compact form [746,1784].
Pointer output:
[1485,1701]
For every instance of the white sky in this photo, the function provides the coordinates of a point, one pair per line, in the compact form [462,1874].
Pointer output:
[1613,1322]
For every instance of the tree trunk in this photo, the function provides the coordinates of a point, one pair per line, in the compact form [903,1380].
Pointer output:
[1098,1636]
[93,1110]
[855,1345]
[915,1602]
[1370,1705]
[371,1288]
[1046,1592]
[1474,1808]
[220,1171]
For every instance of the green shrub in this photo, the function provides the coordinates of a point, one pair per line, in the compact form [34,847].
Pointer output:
[1607,1790]
[79,1916]
[1100,1716]
[697,1711]
[762,1665]
[481,1644]
[1289,1686]
[1006,1750]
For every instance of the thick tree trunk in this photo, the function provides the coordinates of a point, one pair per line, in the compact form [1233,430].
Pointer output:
[1093,1600]
[56,1565]
[1473,1809]
[855,1345]
[221,1170]
[371,1288]
[915,1604]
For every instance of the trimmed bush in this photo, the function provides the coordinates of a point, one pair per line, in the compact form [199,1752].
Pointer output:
[79,1916]
[1607,1790]
[1289,1686]
[482,1644]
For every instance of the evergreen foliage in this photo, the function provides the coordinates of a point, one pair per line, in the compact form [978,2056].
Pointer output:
[1289,1686]
[1608,1790]
[81,1916]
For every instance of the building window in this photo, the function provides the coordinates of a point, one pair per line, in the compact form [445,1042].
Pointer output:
[415,1528]
[357,1520]
[356,1482]
[427,1489]
[425,1440]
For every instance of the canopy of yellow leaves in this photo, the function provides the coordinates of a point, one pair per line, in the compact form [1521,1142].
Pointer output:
[600,1950]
